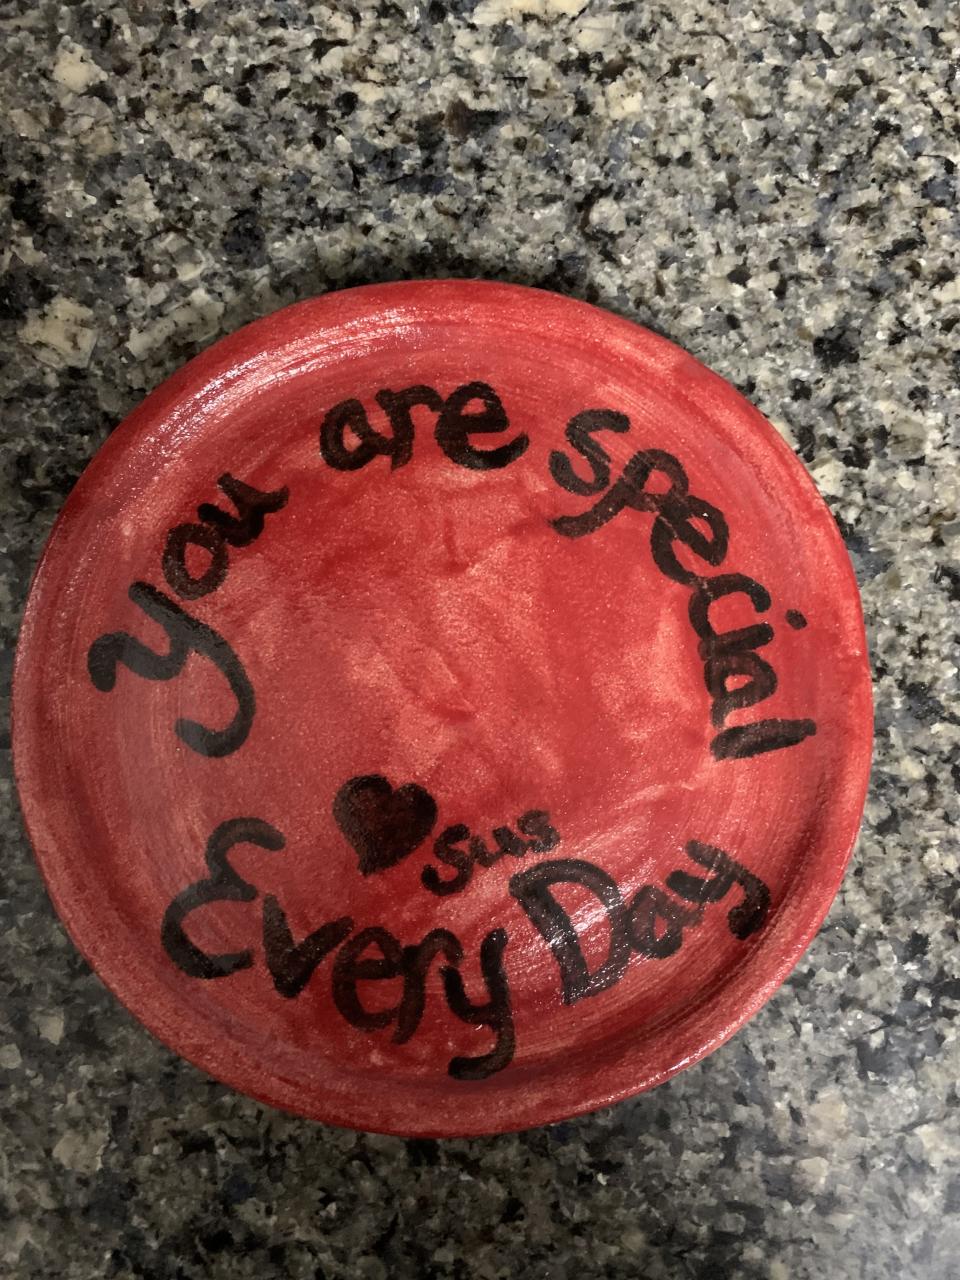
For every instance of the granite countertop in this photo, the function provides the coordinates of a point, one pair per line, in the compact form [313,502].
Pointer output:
[774,187]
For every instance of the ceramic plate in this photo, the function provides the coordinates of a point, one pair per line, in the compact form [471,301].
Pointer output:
[442,708]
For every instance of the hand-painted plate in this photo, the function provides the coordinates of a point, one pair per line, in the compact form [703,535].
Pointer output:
[442,708]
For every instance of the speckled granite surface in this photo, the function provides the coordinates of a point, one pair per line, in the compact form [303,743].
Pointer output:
[773,187]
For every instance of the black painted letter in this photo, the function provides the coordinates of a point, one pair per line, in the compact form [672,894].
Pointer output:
[222,885]
[580,432]
[454,427]
[187,636]
[743,920]
[291,964]
[532,890]
[497,1014]
[350,414]
[252,506]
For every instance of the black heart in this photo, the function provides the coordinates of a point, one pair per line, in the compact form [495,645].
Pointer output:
[383,825]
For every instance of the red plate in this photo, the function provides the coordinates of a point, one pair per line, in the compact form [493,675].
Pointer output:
[443,708]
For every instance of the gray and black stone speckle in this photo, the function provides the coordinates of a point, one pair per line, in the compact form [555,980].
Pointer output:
[774,186]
